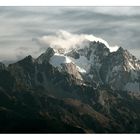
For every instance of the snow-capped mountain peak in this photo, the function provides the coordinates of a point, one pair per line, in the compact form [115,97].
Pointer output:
[96,63]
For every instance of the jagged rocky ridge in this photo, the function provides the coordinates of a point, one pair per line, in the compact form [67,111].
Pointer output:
[85,90]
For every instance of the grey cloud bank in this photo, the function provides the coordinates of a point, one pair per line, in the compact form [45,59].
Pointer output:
[21,26]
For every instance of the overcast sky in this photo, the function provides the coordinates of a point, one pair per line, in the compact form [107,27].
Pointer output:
[21,26]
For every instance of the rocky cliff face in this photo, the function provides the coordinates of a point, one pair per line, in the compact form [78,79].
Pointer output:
[120,70]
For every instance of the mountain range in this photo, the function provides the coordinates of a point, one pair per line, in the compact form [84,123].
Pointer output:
[85,89]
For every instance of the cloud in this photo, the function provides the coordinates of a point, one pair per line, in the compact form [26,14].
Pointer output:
[18,53]
[19,25]
[67,41]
